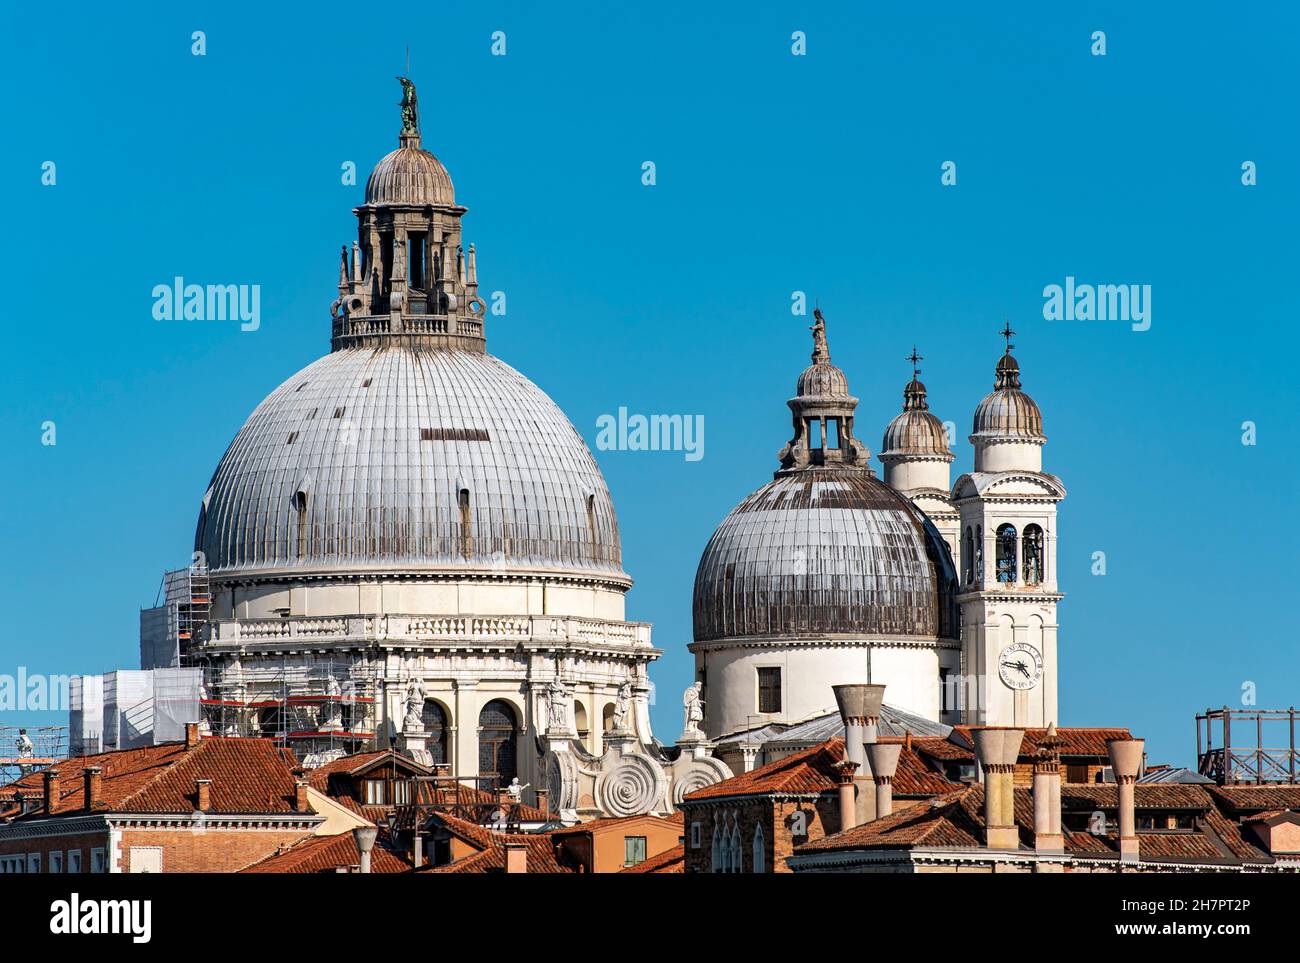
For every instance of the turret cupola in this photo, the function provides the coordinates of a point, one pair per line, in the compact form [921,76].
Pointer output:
[915,449]
[408,275]
[822,410]
[1008,425]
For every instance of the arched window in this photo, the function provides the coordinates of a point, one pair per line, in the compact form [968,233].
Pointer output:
[607,717]
[760,854]
[498,735]
[736,846]
[580,720]
[715,849]
[1033,553]
[1006,548]
[435,724]
[968,557]
[978,562]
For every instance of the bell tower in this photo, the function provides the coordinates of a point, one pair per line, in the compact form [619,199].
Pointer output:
[1008,573]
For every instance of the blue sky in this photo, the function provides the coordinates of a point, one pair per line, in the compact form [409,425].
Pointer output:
[775,173]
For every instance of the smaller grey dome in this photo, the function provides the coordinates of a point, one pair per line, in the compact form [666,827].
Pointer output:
[410,176]
[1008,412]
[915,431]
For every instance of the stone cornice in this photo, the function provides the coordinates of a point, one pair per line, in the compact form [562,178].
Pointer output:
[822,642]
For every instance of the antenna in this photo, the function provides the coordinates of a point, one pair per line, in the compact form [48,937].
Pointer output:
[408,60]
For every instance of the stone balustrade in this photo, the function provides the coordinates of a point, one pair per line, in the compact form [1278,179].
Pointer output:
[428,628]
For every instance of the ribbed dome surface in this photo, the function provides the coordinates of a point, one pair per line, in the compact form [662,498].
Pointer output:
[915,433]
[410,176]
[381,443]
[822,379]
[825,551]
[1009,413]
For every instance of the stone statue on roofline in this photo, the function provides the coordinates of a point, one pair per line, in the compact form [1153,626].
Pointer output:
[694,712]
[410,107]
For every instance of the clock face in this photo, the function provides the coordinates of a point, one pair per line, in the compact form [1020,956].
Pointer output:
[1020,666]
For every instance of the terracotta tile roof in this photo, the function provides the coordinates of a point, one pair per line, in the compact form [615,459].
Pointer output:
[1077,797]
[956,820]
[1240,800]
[249,776]
[669,861]
[324,854]
[812,771]
[319,778]
[491,857]
[941,747]
[1075,740]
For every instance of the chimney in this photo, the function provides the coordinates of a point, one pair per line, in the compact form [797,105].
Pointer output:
[301,801]
[203,795]
[365,837]
[1047,795]
[884,763]
[1126,760]
[858,704]
[191,735]
[51,791]
[848,806]
[93,786]
[516,856]
[859,709]
[543,802]
[998,748]
[417,849]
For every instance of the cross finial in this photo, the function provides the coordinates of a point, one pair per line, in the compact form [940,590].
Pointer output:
[1008,334]
[916,360]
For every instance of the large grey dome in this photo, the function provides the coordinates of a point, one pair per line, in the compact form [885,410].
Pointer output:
[825,551]
[401,458]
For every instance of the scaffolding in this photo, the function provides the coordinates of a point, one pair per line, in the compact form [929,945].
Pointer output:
[27,749]
[170,630]
[320,708]
[1232,763]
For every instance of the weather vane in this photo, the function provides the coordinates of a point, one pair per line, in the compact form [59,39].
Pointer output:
[916,360]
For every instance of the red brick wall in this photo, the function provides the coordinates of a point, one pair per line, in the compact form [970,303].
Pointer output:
[48,844]
[779,819]
[211,851]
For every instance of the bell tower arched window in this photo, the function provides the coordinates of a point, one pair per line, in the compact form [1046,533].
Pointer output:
[968,557]
[1033,553]
[1006,549]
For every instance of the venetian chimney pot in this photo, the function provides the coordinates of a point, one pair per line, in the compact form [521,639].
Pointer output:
[883,758]
[365,837]
[848,804]
[191,735]
[543,803]
[93,779]
[301,801]
[51,791]
[1048,837]
[203,795]
[1126,760]
[858,704]
[998,748]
